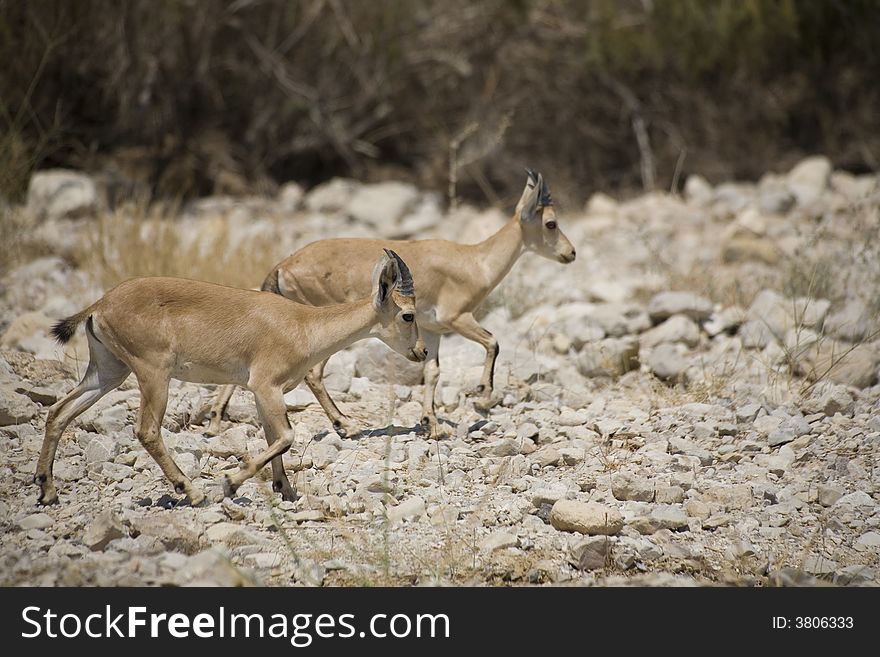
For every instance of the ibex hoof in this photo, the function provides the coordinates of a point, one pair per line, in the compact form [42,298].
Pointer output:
[196,498]
[346,428]
[484,404]
[288,494]
[229,487]
[44,500]
[433,428]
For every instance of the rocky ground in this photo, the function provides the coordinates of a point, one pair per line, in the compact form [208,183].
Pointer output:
[693,401]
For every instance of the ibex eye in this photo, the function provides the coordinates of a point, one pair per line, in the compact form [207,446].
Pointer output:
[408,317]
[551,225]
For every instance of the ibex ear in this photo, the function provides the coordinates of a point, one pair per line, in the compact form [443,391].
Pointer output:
[385,275]
[527,208]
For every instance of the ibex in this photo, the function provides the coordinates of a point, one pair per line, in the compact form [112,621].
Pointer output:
[452,279]
[167,328]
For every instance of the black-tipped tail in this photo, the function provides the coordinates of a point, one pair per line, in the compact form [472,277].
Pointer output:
[64,330]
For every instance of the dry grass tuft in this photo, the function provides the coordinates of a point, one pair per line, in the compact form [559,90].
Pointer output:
[144,240]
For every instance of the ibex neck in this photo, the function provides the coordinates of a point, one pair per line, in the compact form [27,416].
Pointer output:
[500,252]
[331,328]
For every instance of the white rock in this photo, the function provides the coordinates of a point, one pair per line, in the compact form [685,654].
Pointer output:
[625,486]
[339,370]
[290,197]
[379,364]
[307,515]
[697,190]
[678,328]
[382,204]
[571,419]
[809,179]
[30,332]
[105,527]
[856,500]
[666,304]
[221,532]
[550,493]
[669,516]
[829,494]
[733,497]
[425,216]
[868,541]
[829,399]
[840,362]
[667,363]
[726,321]
[669,495]
[15,408]
[609,357]
[588,553]
[36,521]
[816,565]
[210,568]
[774,311]
[851,323]
[299,398]
[331,196]
[498,540]
[323,454]
[601,203]
[585,517]
[100,449]
[232,442]
[265,559]
[188,464]
[411,508]
[57,193]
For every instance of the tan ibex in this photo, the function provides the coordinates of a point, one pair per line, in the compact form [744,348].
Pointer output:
[168,328]
[452,279]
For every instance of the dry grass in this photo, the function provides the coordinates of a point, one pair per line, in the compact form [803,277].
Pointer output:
[19,246]
[144,240]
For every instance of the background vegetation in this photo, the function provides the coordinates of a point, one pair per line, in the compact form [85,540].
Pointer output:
[188,97]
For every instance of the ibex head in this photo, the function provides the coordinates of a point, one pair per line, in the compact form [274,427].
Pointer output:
[394,300]
[537,216]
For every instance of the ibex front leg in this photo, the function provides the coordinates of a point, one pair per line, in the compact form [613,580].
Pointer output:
[273,413]
[431,375]
[154,398]
[467,326]
[342,424]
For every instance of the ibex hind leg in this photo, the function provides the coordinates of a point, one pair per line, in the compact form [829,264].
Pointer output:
[105,372]
[215,410]
[467,326]
[280,482]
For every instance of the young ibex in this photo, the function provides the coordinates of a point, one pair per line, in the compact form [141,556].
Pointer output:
[453,280]
[167,328]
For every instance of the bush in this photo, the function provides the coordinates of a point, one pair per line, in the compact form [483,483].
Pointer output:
[232,96]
